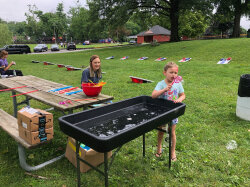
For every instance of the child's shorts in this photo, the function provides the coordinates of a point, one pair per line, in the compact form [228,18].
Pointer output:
[173,122]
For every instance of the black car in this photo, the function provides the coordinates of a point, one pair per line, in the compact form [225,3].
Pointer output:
[71,45]
[16,49]
[54,47]
[41,48]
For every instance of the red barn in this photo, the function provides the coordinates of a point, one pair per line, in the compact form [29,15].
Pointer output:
[155,33]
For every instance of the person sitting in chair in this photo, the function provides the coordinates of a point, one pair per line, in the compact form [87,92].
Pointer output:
[4,65]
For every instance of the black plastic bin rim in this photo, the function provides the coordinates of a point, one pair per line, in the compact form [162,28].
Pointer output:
[118,134]
[246,76]
[244,86]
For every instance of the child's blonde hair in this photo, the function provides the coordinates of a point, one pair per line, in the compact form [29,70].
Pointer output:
[91,71]
[170,65]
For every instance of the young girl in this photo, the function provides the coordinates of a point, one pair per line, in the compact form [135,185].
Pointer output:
[166,89]
[93,73]
[4,66]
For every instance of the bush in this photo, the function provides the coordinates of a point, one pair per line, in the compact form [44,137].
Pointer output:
[155,43]
[5,36]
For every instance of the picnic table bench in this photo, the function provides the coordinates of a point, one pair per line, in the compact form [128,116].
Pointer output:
[9,124]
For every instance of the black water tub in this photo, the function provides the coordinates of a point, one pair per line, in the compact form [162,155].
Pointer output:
[108,127]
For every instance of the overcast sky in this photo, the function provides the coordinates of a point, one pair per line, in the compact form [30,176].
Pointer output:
[14,10]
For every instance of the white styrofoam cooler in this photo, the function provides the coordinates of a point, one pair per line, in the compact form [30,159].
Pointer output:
[243,108]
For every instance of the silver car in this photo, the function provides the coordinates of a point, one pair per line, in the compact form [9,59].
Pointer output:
[41,48]
[55,47]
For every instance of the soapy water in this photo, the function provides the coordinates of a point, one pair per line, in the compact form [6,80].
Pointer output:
[134,117]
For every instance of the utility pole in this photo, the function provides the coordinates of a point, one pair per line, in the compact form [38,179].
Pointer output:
[55,32]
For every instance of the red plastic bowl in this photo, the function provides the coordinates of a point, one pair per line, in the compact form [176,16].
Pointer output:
[90,90]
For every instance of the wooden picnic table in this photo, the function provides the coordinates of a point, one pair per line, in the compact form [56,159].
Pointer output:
[46,96]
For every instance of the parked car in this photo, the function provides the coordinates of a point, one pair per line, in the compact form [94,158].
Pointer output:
[55,47]
[132,41]
[41,48]
[71,45]
[87,42]
[16,49]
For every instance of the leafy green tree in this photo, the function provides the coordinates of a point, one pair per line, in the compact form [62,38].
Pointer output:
[17,28]
[221,24]
[41,24]
[119,33]
[6,35]
[33,27]
[234,9]
[97,27]
[119,11]
[60,20]
[47,23]
[146,20]
[192,24]
[79,23]
[2,21]
[133,28]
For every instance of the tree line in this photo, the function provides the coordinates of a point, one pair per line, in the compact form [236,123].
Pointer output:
[117,19]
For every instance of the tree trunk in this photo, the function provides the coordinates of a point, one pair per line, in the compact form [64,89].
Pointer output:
[174,19]
[237,16]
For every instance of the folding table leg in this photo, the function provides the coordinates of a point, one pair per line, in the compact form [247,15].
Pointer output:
[27,100]
[78,164]
[15,104]
[170,143]
[106,169]
[143,139]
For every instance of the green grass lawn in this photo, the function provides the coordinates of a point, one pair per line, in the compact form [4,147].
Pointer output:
[203,132]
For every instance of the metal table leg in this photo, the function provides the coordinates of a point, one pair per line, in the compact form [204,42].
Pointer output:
[14,104]
[27,100]
[25,166]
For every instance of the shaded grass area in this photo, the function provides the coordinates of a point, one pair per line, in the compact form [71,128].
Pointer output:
[208,124]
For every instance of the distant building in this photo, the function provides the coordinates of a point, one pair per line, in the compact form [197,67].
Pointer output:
[155,33]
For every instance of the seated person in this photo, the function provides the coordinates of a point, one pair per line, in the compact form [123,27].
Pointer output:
[4,66]
[93,73]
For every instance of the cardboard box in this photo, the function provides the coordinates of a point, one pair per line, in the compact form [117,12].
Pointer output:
[36,137]
[91,156]
[32,119]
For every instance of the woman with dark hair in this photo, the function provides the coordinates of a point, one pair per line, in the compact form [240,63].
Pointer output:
[4,65]
[93,73]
